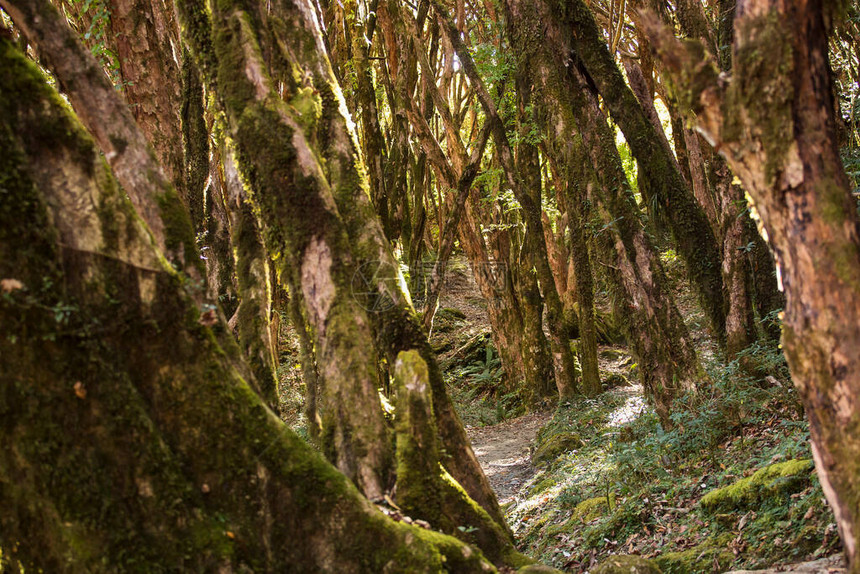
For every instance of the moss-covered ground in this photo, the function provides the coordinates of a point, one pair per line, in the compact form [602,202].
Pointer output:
[697,499]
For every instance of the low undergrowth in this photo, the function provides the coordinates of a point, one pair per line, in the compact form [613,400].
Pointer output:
[730,486]
[473,371]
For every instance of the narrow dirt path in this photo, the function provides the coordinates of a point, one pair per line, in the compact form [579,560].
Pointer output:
[503,451]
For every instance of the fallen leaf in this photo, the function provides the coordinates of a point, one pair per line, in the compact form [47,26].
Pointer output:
[80,390]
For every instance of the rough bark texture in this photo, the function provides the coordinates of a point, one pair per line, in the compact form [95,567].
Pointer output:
[572,29]
[138,448]
[339,231]
[107,117]
[424,489]
[395,324]
[774,124]
[648,314]
[143,33]
[254,314]
[563,360]
[304,230]
[579,215]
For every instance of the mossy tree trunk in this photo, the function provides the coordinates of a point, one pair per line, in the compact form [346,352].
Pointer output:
[572,30]
[743,269]
[424,489]
[303,229]
[108,118]
[253,316]
[580,214]
[351,284]
[523,350]
[563,361]
[534,253]
[392,319]
[651,321]
[136,164]
[373,143]
[774,124]
[138,447]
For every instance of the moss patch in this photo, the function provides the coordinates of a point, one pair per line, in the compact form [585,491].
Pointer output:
[555,446]
[774,481]
[704,558]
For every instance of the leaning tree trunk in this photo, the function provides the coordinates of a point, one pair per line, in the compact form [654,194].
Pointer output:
[563,361]
[109,120]
[571,28]
[774,124]
[392,318]
[138,447]
[647,312]
[303,230]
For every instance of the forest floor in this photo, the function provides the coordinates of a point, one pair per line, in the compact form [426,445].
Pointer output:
[504,451]
[731,487]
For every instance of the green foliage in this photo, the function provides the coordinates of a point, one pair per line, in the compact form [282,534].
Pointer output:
[734,427]
[851,163]
[95,35]
[631,169]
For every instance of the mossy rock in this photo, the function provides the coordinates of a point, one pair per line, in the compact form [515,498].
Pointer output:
[545,484]
[612,354]
[447,319]
[588,510]
[537,569]
[450,313]
[776,481]
[702,559]
[555,446]
[627,565]
[535,527]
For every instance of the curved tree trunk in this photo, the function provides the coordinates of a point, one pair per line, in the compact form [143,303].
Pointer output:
[303,231]
[651,321]
[774,124]
[109,120]
[563,360]
[138,447]
[571,28]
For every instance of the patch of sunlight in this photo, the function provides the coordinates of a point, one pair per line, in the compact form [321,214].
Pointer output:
[632,408]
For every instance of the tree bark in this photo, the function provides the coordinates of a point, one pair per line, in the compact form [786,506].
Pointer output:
[424,489]
[563,361]
[304,230]
[107,117]
[645,308]
[775,126]
[138,446]
[572,30]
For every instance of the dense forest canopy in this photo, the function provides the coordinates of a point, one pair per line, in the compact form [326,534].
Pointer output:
[211,207]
